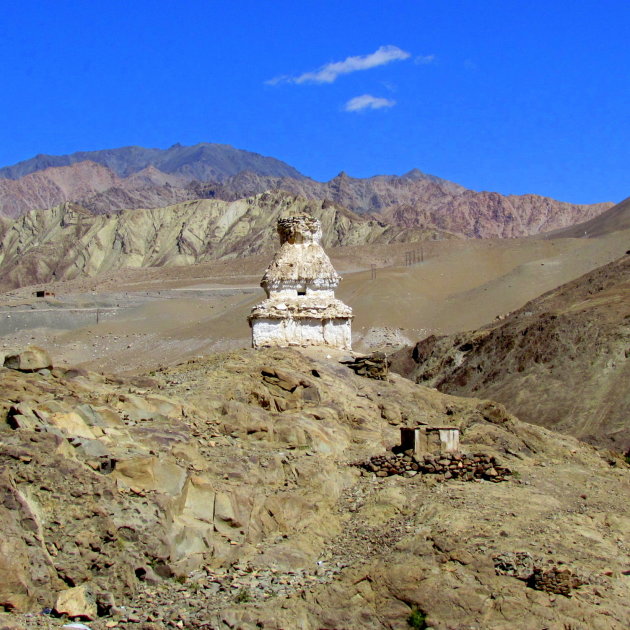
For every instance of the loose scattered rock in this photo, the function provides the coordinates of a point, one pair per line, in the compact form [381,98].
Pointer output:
[555,580]
[375,366]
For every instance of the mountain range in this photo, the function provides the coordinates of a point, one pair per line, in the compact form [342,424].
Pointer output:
[133,177]
[67,240]
[203,161]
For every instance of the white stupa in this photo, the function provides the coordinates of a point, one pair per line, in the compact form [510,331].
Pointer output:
[301,308]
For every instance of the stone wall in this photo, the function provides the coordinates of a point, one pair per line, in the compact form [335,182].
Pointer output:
[465,467]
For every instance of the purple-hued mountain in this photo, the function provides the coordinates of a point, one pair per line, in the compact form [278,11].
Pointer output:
[203,162]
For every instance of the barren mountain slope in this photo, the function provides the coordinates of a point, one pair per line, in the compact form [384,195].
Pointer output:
[52,186]
[220,493]
[420,200]
[106,192]
[413,200]
[204,161]
[560,361]
[615,219]
[67,240]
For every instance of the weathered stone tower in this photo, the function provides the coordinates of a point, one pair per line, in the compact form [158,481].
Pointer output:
[301,308]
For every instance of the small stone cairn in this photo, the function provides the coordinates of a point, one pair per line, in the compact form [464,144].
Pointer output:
[529,569]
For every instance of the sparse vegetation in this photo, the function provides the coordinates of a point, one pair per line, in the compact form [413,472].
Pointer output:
[242,596]
[417,619]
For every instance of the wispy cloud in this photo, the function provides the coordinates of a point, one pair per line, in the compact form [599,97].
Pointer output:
[330,72]
[423,60]
[367,101]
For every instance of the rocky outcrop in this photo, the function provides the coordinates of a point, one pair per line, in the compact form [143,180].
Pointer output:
[560,361]
[221,493]
[32,359]
[375,366]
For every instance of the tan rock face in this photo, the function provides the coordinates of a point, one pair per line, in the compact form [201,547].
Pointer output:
[15,582]
[234,475]
[77,603]
[30,360]
[69,241]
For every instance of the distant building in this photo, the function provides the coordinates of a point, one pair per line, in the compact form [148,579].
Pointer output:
[40,293]
[301,308]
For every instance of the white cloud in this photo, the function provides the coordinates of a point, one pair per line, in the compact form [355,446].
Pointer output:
[284,78]
[367,101]
[423,60]
[330,72]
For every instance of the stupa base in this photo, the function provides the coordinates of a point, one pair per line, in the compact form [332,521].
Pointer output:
[306,331]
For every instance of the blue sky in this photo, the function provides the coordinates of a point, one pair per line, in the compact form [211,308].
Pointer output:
[507,95]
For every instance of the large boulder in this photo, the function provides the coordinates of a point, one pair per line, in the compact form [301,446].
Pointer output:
[30,360]
[15,585]
[77,603]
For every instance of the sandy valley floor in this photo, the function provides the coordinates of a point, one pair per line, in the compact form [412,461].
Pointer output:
[144,318]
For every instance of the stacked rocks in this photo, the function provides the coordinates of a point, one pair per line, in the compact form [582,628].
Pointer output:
[449,465]
[375,366]
[559,581]
[523,566]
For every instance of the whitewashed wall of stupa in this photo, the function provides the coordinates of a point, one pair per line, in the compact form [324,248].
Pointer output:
[335,333]
[292,292]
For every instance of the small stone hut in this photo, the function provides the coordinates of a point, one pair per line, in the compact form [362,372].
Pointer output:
[301,308]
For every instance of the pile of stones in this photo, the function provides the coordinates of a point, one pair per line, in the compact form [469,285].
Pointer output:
[465,467]
[375,366]
[558,581]
[529,569]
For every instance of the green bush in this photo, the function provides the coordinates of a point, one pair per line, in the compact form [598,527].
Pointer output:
[417,619]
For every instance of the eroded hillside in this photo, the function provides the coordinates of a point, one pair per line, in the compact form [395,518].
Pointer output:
[221,493]
[68,241]
[560,361]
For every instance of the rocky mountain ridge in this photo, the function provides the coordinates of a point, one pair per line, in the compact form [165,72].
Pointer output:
[412,200]
[203,161]
[613,220]
[420,200]
[68,241]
